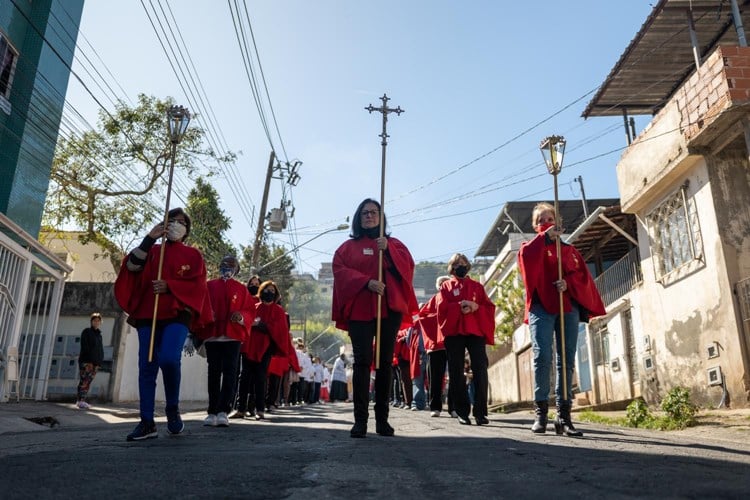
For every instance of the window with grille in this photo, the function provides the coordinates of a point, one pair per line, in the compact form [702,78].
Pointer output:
[8,57]
[674,234]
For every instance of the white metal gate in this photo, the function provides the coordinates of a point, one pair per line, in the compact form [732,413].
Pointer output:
[31,284]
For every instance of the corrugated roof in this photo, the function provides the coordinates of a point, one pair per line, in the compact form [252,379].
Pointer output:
[660,57]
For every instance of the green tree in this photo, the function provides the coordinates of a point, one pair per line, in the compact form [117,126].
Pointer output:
[279,270]
[209,225]
[104,181]
[510,306]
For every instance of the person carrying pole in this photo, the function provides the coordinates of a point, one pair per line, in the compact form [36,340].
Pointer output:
[175,273]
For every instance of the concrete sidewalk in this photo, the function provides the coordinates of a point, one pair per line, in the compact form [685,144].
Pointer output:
[30,416]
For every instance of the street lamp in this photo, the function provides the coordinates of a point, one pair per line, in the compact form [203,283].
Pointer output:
[340,227]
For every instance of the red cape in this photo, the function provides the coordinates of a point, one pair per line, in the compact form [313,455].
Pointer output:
[537,261]
[415,357]
[274,317]
[452,321]
[355,263]
[185,273]
[228,297]
[431,335]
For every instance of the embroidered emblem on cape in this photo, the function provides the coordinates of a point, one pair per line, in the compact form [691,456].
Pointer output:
[234,298]
[183,269]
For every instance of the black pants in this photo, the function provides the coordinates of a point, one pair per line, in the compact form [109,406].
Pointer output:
[362,334]
[406,387]
[438,360]
[455,346]
[274,386]
[223,363]
[253,378]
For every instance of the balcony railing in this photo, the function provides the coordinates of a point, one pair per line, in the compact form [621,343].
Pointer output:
[620,277]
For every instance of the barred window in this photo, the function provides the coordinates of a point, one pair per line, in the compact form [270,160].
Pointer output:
[674,233]
[8,57]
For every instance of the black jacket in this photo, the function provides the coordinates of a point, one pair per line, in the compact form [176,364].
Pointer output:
[92,350]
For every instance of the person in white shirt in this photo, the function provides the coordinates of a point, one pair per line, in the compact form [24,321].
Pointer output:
[339,390]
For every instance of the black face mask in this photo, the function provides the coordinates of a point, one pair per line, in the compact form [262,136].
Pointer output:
[267,296]
[372,232]
[460,271]
[253,289]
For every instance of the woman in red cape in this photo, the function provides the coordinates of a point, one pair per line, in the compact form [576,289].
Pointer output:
[434,345]
[537,260]
[466,319]
[183,306]
[269,335]
[234,313]
[354,309]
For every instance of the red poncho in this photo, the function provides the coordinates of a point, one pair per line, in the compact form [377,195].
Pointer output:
[431,335]
[185,273]
[276,330]
[537,260]
[355,263]
[415,357]
[452,321]
[228,297]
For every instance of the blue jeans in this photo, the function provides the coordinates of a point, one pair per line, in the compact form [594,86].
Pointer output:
[168,342]
[542,325]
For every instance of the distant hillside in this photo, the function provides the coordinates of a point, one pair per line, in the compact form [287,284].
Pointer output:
[425,275]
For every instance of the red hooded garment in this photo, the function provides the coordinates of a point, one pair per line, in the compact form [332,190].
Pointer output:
[355,263]
[431,335]
[228,297]
[415,357]
[185,273]
[273,317]
[452,321]
[537,260]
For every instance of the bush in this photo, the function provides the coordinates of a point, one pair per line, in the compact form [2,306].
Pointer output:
[679,409]
[638,414]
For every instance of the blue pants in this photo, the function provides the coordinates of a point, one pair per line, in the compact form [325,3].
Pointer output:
[542,325]
[168,342]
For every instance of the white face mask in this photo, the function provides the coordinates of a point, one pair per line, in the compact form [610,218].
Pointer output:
[176,231]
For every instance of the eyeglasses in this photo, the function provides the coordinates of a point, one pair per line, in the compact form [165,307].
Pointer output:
[367,213]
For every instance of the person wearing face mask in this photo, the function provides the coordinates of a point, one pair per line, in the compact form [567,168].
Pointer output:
[253,284]
[183,306]
[269,335]
[466,319]
[537,262]
[354,307]
[234,313]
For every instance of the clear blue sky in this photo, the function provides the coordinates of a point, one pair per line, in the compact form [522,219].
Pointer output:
[471,76]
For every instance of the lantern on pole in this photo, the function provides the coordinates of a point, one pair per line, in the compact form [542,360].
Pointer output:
[178,118]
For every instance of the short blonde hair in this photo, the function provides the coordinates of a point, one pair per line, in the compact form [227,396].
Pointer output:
[538,210]
[456,257]
[440,280]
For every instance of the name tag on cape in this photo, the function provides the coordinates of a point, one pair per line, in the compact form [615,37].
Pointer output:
[368,251]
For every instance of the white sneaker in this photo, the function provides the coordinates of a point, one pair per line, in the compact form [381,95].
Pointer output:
[210,420]
[435,413]
[83,405]
[222,420]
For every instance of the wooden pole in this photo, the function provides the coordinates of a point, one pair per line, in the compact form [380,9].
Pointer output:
[161,251]
[558,249]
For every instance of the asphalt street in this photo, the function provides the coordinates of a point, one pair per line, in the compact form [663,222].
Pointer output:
[306,452]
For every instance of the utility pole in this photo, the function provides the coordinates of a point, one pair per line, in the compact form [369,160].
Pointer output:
[262,213]
[579,180]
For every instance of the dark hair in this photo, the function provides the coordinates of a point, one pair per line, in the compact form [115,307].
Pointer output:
[357,231]
[179,211]
[236,262]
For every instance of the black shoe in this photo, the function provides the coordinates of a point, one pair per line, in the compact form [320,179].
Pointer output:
[359,430]
[175,425]
[464,420]
[384,429]
[144,430]
[482,420]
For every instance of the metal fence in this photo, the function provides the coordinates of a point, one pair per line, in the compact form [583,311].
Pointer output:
[30,297]
[743,296]
[620,277]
